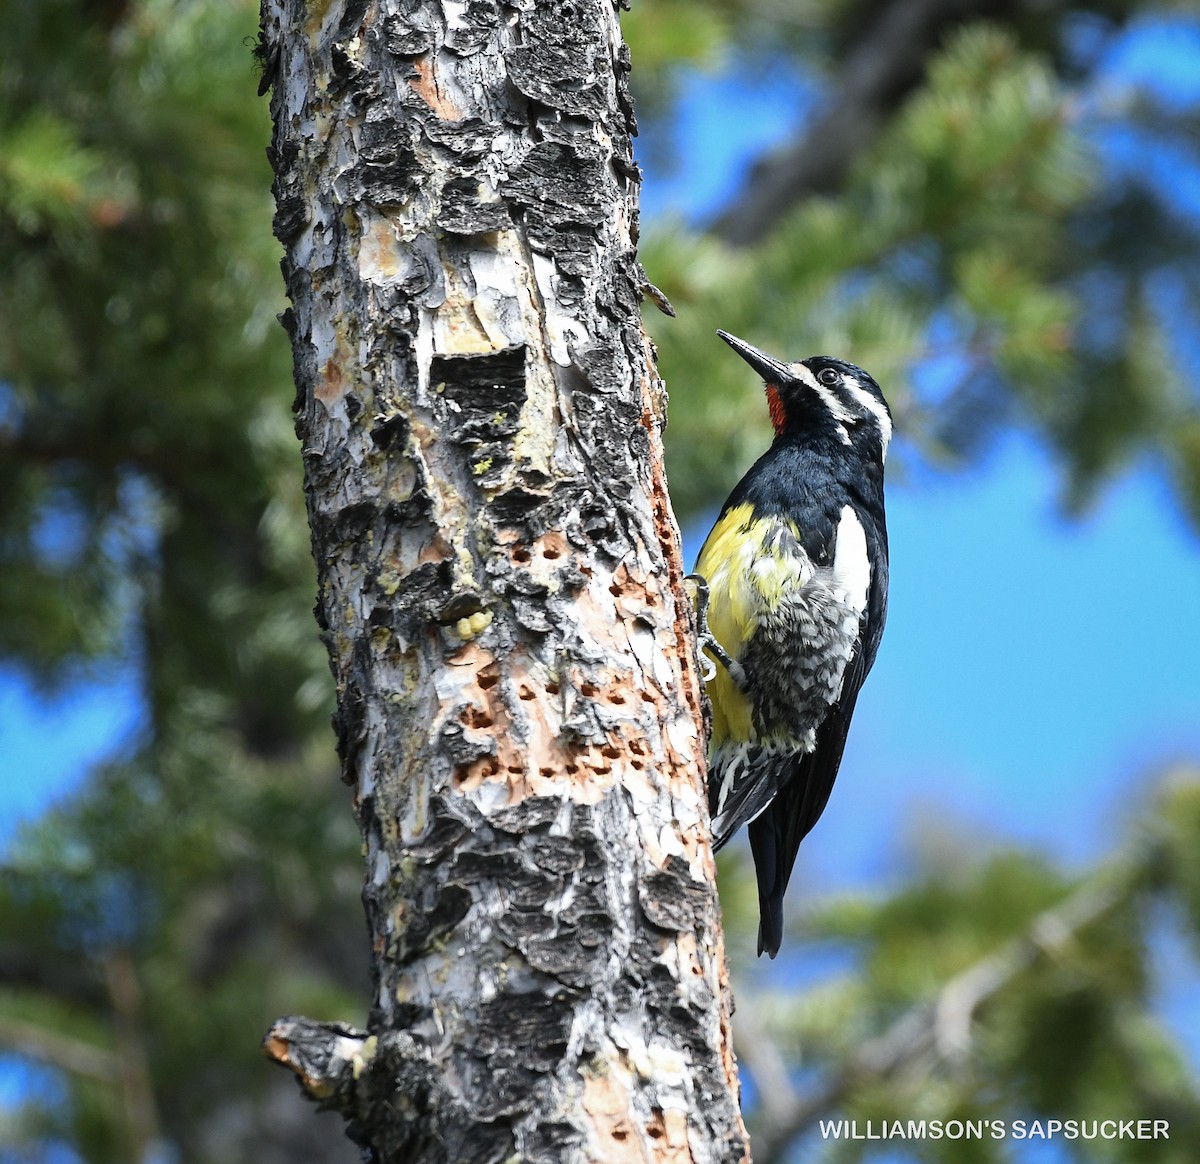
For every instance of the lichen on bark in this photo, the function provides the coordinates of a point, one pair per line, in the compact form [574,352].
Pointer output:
[500,589]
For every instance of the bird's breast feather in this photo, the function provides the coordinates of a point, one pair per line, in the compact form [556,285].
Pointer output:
[750,563]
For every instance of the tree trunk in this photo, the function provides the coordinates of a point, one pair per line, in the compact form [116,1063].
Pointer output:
[500,590]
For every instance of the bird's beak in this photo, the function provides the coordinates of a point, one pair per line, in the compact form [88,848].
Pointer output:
[769,368]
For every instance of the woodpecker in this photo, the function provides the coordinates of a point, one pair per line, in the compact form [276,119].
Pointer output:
[793,596]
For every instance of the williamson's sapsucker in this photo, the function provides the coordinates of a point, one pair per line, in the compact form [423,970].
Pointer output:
[796,573]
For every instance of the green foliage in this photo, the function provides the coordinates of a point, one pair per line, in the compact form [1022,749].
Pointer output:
[151,510]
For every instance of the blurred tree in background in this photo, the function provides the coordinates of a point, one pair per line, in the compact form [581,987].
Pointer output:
[150,509]
[945,204]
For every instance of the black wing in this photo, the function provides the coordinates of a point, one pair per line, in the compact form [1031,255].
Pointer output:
[775,836]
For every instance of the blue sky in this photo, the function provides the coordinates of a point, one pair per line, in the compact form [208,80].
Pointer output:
[1026,687]
[49,741]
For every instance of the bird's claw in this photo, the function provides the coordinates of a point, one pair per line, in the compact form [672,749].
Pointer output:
[707,641]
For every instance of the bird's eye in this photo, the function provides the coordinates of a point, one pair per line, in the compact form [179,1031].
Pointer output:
[828,376]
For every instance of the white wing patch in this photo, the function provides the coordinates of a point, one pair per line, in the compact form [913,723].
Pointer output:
[850,575]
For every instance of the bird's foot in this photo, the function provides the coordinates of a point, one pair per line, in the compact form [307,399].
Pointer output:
[707,641]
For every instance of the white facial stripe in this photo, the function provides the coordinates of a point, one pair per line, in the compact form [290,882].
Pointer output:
[836,409]
[872,405]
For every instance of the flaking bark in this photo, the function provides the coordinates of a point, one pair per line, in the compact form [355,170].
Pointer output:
[500,590]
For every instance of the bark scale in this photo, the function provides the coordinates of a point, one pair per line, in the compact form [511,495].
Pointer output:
[500,589]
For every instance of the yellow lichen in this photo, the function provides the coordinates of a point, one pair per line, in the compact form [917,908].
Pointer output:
[473,625]
[363,1057]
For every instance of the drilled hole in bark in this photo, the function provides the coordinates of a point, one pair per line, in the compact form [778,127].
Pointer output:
[620,1134]
[522,557]
[571,770]
[615,698]
[590,690]
[516,769]
[487,679]
[551,688]
[482,768]
[525,693]
[637,765]
[586,571]
[547,772]
[611,752]
[615,590]
[647,697]
[654,1131]
[476,718]
[551,553]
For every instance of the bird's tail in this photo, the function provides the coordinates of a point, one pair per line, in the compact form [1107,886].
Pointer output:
[772,881]
[775,837]
[743,780]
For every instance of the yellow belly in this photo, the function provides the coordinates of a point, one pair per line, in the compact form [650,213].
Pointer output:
[745,579]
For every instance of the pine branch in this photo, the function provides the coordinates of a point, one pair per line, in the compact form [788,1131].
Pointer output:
[72,980]
[883,65]
[937,1029]
[132,1058]
[57,1050]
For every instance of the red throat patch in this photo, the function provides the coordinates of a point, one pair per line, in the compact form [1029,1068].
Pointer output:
[778,416]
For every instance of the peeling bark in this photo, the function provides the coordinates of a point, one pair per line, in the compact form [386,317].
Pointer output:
[501,594]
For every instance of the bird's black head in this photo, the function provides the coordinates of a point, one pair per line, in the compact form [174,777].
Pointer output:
[822,396]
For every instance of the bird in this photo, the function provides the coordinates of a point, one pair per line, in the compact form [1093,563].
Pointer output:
[793,582]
